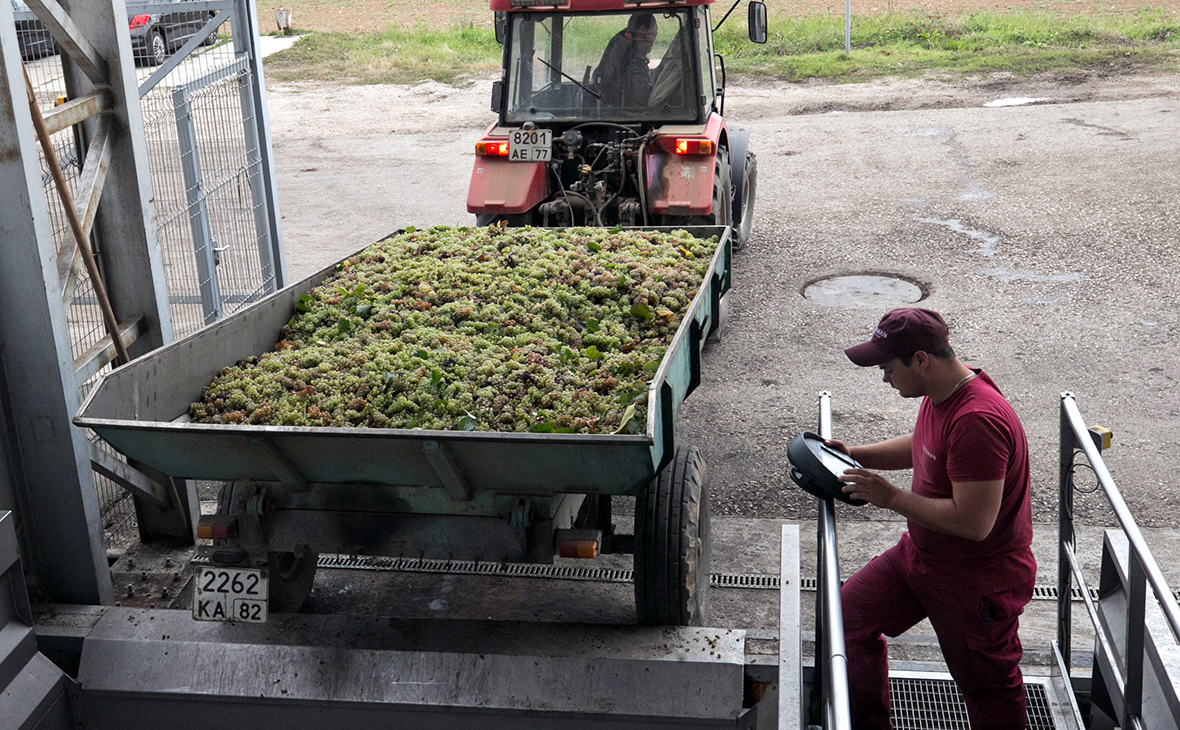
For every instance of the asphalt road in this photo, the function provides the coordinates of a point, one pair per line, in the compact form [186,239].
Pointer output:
[1046,234]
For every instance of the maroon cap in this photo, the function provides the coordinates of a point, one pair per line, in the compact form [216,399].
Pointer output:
[901,333]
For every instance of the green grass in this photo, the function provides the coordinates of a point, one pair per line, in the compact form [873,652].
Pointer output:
[390,56]
[910,43]
[904,43]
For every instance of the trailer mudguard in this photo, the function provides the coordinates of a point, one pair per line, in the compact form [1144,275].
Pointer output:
[739,146]
[500,186]
[682,184]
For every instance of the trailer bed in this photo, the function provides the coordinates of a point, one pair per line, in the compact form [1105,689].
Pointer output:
[141,409]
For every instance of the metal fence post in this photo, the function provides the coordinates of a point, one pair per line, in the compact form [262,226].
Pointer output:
[198,210]
[258,149]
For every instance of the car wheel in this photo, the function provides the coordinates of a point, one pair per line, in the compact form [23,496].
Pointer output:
[212,37]
[157,49]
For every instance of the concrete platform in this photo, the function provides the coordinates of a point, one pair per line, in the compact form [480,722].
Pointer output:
[742,546]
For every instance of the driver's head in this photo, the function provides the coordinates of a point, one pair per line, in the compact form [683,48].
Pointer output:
[641,30]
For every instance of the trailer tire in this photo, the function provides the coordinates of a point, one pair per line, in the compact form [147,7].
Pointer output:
[291,579]
[744,210]
[673,544]
[722,214]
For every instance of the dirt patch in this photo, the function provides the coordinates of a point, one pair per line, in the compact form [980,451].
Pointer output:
[351,16]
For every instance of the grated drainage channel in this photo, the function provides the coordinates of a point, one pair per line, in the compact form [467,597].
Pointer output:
[937,704]
[758,581]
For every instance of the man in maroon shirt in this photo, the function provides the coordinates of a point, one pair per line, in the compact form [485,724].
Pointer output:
[966,562]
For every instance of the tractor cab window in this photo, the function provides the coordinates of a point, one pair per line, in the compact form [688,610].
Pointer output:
[628,66]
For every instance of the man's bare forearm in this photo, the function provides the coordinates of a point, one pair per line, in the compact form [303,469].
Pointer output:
[889,455]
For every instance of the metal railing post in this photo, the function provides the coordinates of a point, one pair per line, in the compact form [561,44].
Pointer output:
[1136,628]
[1142,570]
[1065,533]
[829,608]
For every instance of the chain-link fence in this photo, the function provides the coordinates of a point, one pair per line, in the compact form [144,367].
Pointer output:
[202,135]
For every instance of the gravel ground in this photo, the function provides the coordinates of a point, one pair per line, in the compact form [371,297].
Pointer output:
[1045,232]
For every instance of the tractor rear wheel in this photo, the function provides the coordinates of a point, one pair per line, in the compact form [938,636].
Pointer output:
[722,213]
[673,544]
[743,214]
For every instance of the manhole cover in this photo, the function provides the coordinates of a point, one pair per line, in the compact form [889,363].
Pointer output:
[865,290]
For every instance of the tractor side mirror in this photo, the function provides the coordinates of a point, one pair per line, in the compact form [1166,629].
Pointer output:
[500,23]
[497,95]
[757,22]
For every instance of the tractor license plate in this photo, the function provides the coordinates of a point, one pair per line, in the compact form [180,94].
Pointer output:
[530,145]
[230,594]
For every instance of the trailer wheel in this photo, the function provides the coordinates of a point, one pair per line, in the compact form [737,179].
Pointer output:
[744,212]
[291,578]
[722,214]
[673,544]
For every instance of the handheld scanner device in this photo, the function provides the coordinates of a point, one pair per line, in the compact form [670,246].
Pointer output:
[816,467]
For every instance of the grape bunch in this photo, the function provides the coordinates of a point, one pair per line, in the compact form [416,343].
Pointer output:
[490,329]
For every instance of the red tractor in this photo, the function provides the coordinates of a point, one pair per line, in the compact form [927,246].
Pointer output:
[611,113]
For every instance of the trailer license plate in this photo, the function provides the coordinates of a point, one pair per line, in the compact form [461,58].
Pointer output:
[230,594]
[530,145]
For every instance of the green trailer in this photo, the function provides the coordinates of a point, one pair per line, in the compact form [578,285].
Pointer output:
[291,493]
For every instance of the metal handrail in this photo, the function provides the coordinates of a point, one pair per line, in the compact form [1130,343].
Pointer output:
[830,657]
[1143,569]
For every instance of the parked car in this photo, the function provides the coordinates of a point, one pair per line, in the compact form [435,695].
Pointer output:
[155,36]
[32,37]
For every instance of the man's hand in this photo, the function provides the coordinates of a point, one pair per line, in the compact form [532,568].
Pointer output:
[869,486]
[838,445]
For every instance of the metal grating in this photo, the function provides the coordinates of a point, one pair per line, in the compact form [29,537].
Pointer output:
[757,581]
[937,704]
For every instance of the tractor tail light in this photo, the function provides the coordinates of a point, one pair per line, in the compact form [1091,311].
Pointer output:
[217,527]
[491,149]
[693,147]
[139,21]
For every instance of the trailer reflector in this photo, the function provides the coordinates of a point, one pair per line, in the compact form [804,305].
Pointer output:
[217,527]
[584,544]
[491,149]
[693,147]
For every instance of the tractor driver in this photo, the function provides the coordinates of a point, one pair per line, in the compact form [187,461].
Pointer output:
[623,74]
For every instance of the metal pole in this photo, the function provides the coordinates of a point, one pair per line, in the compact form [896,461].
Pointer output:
[46,461]
[198,210]
[836,691]
[847,27]
[1133,659]
[1065,532]
[263,188]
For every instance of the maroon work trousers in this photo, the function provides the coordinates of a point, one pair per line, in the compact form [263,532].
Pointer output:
[977,635]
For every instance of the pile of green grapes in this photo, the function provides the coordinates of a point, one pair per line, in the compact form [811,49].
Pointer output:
[496,329]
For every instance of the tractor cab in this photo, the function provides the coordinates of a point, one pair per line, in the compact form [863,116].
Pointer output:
[610,113]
